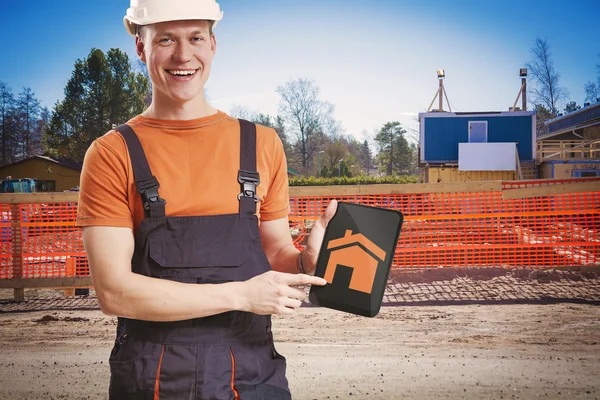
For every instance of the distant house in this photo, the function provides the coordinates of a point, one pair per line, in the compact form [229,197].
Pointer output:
[51,174]
[355,251]
[476,146]
[292,172]
[571,148]
[56,174]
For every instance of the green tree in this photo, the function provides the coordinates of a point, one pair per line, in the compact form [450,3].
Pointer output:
[354,154]
[546,89]
[571,106]
[276,123]
[279,126]
[366,157]
[41,125]
[102,92]
[394,152]
[142,72]
[335,152]
[340,169]
[126,88]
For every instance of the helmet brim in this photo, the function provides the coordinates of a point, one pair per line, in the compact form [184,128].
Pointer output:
[132,27]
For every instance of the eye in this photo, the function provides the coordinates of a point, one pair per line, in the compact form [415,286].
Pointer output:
[165,40]
[198,39]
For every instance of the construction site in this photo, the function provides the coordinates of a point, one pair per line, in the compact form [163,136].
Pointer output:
[493,293]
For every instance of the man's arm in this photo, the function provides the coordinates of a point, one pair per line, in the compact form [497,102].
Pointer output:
[124,293]
[279,247]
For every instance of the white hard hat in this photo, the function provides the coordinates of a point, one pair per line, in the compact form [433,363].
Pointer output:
[145,12]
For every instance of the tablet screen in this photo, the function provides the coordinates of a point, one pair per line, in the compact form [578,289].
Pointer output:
[355,258]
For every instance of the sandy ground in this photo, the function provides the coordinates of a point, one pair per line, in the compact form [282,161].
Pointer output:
[548,349]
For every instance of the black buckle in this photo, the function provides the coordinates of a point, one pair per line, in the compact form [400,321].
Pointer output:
[249,181]
[148,188]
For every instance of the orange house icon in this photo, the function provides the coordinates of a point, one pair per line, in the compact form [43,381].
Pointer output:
[353,253]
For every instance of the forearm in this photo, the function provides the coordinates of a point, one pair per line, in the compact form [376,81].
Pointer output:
[287,260]
[152,299]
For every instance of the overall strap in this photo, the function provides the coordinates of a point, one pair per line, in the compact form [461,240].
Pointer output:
[146,184]
[248,176]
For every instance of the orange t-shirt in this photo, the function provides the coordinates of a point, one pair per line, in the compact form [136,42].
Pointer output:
[196,163]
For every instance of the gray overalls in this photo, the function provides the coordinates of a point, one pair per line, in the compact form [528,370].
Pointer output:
[225,356]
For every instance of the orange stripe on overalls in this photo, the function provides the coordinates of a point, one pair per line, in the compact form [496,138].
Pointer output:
[233,389]
[157,383]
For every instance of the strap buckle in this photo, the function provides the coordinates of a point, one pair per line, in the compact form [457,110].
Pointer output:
[148,188]
[249,181]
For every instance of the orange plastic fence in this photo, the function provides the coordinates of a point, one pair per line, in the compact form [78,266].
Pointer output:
[477,229]
[41,241]
[480,229]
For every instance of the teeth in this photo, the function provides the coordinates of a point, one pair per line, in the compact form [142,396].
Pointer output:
[182,73]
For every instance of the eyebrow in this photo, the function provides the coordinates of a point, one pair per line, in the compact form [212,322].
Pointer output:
[170,33]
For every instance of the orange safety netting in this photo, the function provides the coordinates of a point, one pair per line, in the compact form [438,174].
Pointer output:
[41,241]
[479,229]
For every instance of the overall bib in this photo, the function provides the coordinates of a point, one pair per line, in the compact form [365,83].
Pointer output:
[224,356]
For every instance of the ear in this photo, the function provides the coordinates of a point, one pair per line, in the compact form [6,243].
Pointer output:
[213,44]
[139,47]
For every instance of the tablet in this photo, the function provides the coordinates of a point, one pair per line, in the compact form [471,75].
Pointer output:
[355,258]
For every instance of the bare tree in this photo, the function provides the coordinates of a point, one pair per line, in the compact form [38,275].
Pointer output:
[238,111]
[329,125]
[7,103]
[28,114]
[546,89]
[413,135]
[304,114]
[542,116]
[592,89]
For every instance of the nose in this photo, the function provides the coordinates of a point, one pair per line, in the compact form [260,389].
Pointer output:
[182,52]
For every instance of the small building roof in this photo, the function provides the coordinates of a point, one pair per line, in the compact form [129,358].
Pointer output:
[65,162]
[292,171]
[582,118]
[437,114]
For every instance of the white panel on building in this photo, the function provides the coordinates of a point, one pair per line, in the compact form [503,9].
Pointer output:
[487,156]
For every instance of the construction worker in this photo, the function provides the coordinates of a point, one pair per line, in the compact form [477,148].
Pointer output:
[185,223]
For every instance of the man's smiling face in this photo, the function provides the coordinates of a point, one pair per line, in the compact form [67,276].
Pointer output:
[178,55]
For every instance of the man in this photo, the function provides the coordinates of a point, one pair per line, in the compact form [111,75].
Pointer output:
[170,206]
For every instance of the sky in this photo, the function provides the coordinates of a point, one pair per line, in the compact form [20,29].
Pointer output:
[374,60]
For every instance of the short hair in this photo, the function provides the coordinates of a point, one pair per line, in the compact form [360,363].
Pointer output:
[140,28]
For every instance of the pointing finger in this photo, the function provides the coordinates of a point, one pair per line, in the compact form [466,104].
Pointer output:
[301,279]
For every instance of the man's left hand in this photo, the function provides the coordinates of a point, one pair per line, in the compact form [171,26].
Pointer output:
[311,252]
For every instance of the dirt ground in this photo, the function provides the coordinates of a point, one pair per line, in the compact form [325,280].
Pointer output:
[495,336]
